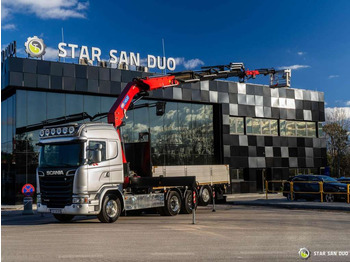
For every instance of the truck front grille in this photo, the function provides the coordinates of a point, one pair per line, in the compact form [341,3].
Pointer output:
[56,191]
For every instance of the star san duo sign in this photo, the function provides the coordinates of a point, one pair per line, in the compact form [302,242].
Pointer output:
[35,47]
[131,58]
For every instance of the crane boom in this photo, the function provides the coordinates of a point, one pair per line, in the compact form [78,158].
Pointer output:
[139,87]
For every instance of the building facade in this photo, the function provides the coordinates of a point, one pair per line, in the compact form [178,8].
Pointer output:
[260,132]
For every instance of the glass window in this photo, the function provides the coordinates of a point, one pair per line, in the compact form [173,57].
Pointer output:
[92,145]
[290,128]
[21,108]
[274,127]
[265,126]
[106,104]
[249,125]
[320,130]
[301,128]
[36,111]
[240,125]
[283,127]
[92,105]
[236,174]
[61,155]
[74,104]
[236,125]
[311,129]
[4,121]
[256,126]
[141,122]
[56,105]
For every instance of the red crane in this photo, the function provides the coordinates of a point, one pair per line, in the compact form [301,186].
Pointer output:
[139,87]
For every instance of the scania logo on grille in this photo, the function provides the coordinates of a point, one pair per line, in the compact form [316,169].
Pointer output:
[54,173]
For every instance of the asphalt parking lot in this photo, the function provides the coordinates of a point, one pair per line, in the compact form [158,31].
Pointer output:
[233,233]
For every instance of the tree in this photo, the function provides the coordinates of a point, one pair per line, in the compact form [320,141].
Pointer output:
[337,145]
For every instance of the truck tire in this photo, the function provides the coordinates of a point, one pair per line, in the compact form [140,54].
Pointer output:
[172,204]
[186,207]
[205,196]
[63,218]
[110,210]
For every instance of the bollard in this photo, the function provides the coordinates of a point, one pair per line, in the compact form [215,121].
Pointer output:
[28,206]
[213,200]
[266,188]
[194,207]
[321,190]
[348,194]
[291,191]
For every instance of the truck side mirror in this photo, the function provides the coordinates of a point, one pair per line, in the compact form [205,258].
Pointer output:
[97,154]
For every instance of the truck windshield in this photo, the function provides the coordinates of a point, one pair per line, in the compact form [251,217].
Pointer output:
[61,155]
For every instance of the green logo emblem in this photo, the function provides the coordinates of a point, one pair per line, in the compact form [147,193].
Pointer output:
[304,253]
[35,47]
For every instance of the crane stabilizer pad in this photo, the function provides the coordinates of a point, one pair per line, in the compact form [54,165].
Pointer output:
[146,182]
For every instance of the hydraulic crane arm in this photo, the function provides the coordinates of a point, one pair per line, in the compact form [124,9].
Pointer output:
[140,87]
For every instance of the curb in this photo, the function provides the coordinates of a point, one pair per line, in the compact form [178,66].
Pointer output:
[290,206]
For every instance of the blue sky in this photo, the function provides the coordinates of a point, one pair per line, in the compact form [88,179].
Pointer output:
[313,37]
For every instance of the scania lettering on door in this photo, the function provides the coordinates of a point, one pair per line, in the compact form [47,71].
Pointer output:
[55,173]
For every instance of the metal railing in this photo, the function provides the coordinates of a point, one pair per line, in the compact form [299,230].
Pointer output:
[292,192]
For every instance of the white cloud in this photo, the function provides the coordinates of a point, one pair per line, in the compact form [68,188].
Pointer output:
[301,53]
[294,67]
[9,27]
[189,64]
[347,103]
[51,54]
[44,9]
[333,76]
[337,113]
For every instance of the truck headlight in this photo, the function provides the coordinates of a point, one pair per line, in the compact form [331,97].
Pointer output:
[80,200]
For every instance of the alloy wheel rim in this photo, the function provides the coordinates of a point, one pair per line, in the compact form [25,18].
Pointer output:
[174,203]
[111,208]
[205,195]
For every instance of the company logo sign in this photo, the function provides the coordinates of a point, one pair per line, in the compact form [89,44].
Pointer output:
[55,173]
[35,47]
[304,253]
[115,56]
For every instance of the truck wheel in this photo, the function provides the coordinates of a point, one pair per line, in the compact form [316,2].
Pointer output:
[186,207]
[204,196]
[172,204]
[110,210]
[63,218]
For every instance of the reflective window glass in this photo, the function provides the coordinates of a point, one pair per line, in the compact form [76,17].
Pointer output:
[21,108]
[311,129]
[249,125]
[92,105]
[265,126]
[290,128]
[283,127]
[36,111]
[256,127]
[74,104]
[236,125]
[4,121]
[274,127]
[301,128]
[141,122]
[320,130]
[56,105]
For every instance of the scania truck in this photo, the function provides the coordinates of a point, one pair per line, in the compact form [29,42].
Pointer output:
[83,168]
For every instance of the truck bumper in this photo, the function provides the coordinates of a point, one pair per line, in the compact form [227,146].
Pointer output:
[74,209]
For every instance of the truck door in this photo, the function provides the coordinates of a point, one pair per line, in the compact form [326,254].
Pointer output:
[98,173]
